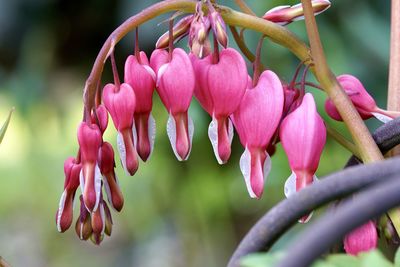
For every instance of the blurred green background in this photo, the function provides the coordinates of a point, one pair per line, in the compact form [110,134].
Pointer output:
[175,214]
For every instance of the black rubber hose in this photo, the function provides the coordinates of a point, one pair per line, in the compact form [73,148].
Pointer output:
[281,217]
[322,234]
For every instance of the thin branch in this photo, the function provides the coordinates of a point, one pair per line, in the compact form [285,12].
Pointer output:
[342,140]
[244,7]
[394,67]
[242,45]
[332,227]
[359,131]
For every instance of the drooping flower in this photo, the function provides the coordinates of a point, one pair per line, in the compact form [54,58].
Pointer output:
[141,77]
[256,120]
[90,140]
[175,85]
[107,165]
[121,106]
[284,15]
[362,239]
[220,86]
[303,136]
[363,102]
[65,209]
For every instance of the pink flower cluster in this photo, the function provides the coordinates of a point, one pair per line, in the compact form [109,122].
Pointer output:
[262,109]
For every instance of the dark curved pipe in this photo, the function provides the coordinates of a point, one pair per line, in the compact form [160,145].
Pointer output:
[281,217]
[322,234]
[286,213]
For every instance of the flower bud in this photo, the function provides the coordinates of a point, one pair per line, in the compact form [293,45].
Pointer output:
[284,15]
[83,226]
[180,30]
[107,165]
[219,28]
[362,239]
[198,36]
[363,102]
[64,214]
[101,117]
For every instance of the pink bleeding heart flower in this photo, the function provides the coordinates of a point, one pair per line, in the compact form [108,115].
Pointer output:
[199,42]
[107,165]
[363,102]
[121,106]
[303,136]
[64,214]
[362,239]
[256,121]
[90,140]
[101,118]
[175,85]
[141,77]
[219,89]
[284,15]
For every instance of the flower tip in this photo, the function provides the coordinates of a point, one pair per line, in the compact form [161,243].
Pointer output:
[362,239]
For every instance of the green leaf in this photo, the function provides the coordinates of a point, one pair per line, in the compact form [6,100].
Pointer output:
[397,258]
[261,259]
[374,258]
[343,260]
[5,125]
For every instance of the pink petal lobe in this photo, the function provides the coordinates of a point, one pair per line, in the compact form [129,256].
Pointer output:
[362,239]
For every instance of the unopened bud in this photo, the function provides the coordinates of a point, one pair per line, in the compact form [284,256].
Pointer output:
[198,36]
[83,226]
[180,30]
[219,28]
[284,15]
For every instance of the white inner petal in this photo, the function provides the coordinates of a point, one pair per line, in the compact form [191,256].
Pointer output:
[81,181]
[103,217]
[134,134]
[191,133]
[213,136]
[381,117]
[290,185]
[122,151]
[245,168]
[171,132]
[308,218]
[152,132]
[61,209]
[97,185]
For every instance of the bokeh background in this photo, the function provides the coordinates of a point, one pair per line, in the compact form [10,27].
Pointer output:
[175,214]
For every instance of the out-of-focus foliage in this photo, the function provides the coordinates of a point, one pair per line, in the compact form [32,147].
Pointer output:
[176,214]
[372,258]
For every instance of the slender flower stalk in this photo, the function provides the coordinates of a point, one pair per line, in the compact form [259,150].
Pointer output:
[368,149]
